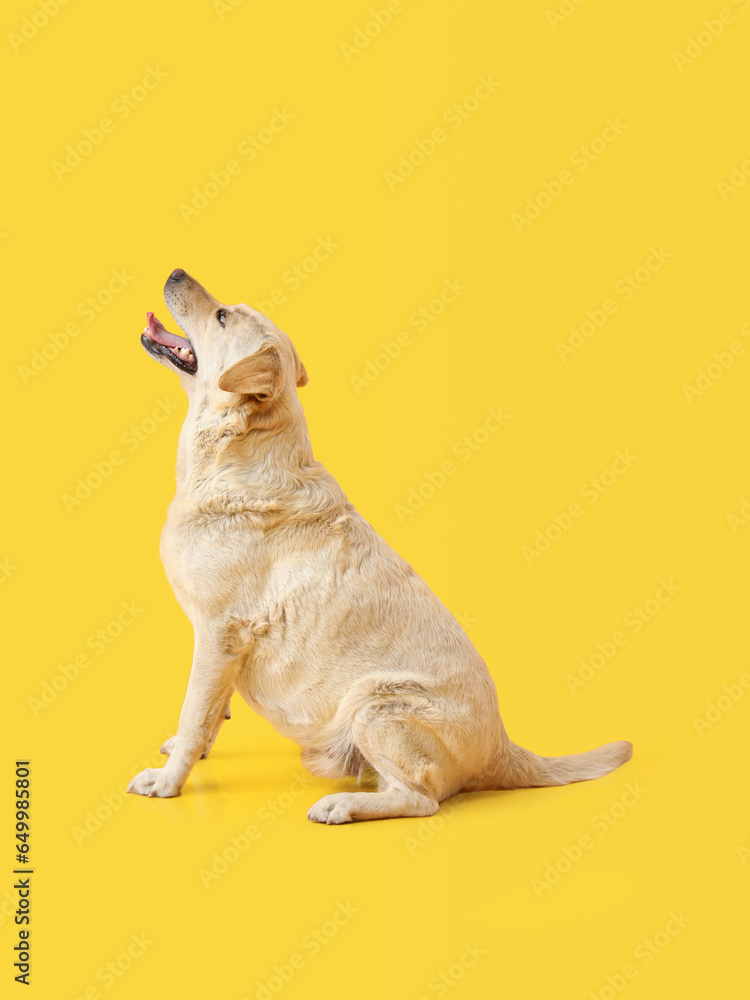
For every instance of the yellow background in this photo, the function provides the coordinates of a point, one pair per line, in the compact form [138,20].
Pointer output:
[471,881]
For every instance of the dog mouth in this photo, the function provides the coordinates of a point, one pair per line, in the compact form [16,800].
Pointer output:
[161,343]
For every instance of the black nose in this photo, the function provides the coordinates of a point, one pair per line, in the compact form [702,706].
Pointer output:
[177,275]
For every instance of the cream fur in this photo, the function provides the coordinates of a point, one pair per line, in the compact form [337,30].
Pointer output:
[299,605]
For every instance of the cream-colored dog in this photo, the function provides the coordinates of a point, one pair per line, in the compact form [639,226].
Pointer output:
[300,606]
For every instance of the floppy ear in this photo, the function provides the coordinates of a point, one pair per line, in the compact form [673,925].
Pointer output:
[258,374]
[302,378]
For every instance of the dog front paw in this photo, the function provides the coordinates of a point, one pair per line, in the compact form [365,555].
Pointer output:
[155,783]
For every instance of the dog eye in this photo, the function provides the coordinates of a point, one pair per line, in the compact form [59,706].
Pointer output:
[221,315]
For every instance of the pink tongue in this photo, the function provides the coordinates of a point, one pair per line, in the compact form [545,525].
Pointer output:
[157,332]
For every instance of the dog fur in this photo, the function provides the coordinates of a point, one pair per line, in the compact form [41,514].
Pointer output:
[299,605]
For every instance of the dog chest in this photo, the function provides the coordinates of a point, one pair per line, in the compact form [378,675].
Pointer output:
[210,567]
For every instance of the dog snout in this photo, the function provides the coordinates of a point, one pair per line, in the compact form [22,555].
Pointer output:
[187,299]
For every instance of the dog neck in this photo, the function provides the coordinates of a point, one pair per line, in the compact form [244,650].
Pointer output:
[251,458]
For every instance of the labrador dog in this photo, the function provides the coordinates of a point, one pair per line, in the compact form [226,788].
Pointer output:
[297,603]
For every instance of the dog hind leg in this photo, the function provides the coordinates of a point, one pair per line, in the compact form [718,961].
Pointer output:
[410,760]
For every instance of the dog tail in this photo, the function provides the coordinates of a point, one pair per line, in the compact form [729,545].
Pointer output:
[516,767]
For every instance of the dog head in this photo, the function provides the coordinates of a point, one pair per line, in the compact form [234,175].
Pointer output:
[234,348]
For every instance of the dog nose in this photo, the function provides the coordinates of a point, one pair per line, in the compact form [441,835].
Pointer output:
[177,275]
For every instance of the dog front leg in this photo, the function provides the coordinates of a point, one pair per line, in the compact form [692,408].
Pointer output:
[208,691]
[226,713]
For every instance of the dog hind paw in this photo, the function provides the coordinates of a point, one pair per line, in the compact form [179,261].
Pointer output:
[332,809]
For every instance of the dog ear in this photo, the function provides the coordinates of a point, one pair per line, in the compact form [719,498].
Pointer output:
[302,378]
[258,374]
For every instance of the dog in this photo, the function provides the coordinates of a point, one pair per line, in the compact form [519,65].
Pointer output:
[300,606]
